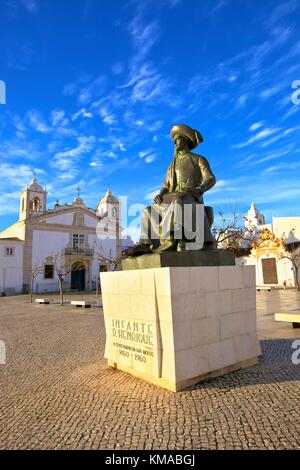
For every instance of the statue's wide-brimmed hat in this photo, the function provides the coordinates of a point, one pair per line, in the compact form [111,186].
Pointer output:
[194,137]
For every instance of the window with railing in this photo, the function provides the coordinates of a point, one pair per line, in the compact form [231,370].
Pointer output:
[78,242]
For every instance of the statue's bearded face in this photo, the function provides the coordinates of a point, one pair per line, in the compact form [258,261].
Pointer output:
[181,143]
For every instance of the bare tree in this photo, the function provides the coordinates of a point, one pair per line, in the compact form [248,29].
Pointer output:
[34,272]
[293,254]
[231,234]
[107,260]
[62,268]
[98,288]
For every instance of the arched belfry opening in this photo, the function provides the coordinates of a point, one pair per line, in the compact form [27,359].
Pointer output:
[36,204]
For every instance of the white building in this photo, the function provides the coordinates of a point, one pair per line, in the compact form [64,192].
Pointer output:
[11,264]
[268,252]
[72,235]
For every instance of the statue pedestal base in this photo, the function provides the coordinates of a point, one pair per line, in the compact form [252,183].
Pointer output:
[177,326]
[215,257]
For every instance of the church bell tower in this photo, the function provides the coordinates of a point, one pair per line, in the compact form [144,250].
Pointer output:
[254,218]
[108,210]
[33,200]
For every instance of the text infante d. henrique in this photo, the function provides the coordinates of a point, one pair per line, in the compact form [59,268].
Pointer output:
[135,331]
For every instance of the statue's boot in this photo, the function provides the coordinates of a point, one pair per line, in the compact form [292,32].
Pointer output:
[181,246]
[136,250]
[166,245]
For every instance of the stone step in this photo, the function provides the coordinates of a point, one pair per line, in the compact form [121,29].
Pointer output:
[292,317]
[81,303]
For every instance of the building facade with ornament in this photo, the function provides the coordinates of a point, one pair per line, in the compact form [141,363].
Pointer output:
[275,249]
[73,235]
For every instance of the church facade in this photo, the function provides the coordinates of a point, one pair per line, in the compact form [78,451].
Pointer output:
[73,236]
[272,248]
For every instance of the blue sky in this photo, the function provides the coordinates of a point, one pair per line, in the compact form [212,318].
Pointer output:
[94,86]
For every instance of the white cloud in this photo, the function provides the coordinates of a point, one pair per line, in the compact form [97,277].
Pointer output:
[109,154]
[19,148]
[256,159]
[96,163]
[293,110]
[144,36]
[107,117]
[282,10]
[256,125]
[146,152]
[40,171]
[67,159]
[19,124]
[147,84]
[219,186]
[241,100]
[273,90]
[68,175]
[257,137]
[148,155]
[57,116]
[92,90]
[113,166]
[37,123]
[151,194]
[281,136]
[81,113]
[16,175]
[150,158]
[118,144]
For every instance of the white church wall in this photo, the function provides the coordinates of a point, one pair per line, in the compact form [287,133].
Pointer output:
[11,268]
[105,248]
[65,219]
[90,221]
[284,269]
[285,272]
[45,244]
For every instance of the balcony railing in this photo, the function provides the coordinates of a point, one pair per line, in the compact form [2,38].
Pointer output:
[79,251]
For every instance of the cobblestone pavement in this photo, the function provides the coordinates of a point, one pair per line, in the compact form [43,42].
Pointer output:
[57,392]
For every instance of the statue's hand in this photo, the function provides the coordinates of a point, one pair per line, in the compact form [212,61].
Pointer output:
[158,199]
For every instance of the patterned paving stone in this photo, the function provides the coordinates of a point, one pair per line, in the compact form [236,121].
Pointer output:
[58,393]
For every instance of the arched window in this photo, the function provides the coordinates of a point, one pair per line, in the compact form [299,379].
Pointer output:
[23,205]
[31,206]
[36,204]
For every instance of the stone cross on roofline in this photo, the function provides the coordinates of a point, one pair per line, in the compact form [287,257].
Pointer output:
[78,189]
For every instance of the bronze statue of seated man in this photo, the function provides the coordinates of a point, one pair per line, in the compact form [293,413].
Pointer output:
[170,223]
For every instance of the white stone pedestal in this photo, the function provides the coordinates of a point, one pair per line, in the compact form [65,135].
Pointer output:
[178,326]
